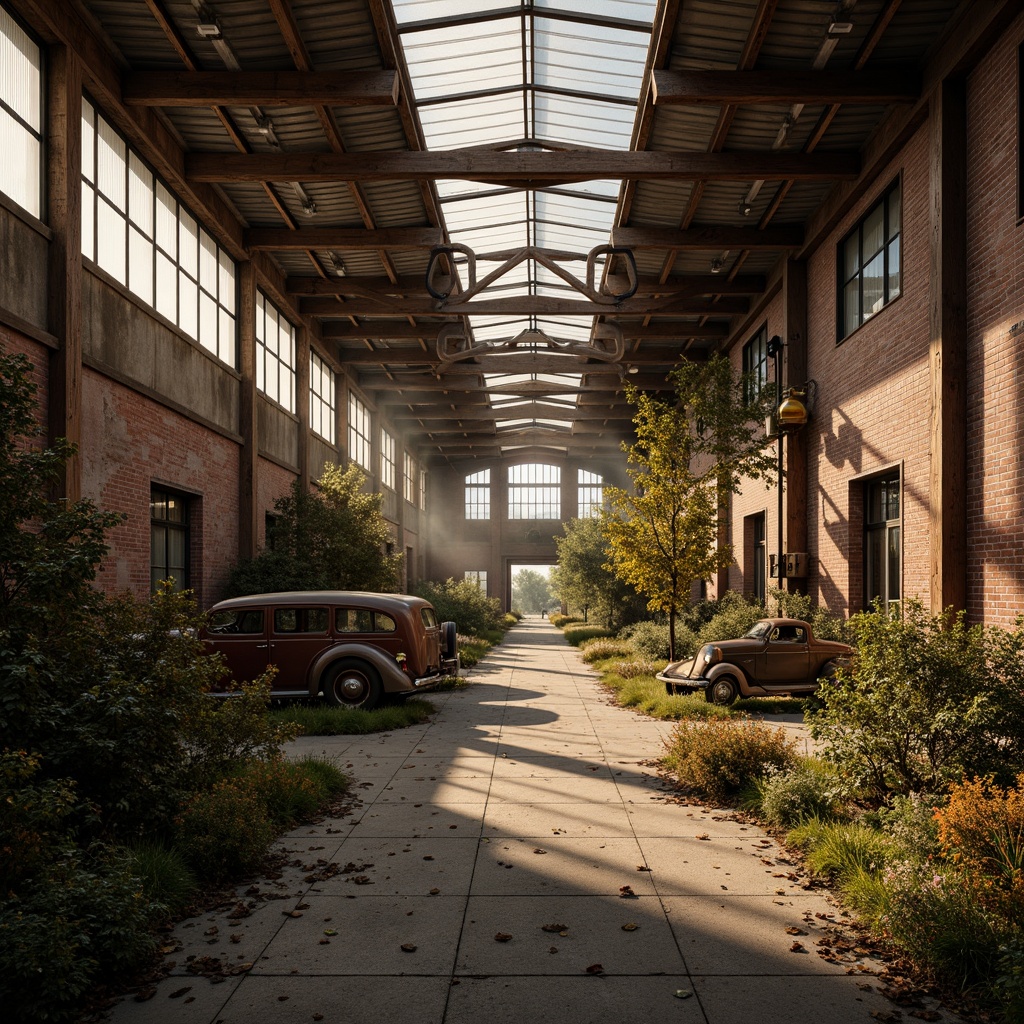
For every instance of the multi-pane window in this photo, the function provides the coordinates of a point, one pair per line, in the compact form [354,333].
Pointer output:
[423,489]
[168,539]
[387,460]
[136,230]
[882,548]
[590,495]
[755,366]
[275,353]
[409,479]
[322,405]
[534,492]
[478,495]
[869,264]
[21,116]
[757,558]
[479,577]
[358,432]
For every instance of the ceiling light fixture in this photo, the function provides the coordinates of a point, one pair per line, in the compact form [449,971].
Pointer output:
[717,265]
[745,208]
[336,264]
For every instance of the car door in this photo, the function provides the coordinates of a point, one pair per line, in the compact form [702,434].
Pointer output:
[786,657]
[298,635]
[240,637]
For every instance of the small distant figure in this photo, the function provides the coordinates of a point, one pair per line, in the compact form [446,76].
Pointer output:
[543,613]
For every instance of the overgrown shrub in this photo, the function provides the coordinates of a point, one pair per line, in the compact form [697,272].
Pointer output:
[841,849]
[719,758]
[794,605]
[601,648]
[576,635]
[810,789]
[464,603]
[734,617]
[635,669]
[650,640]
[167,881]
[559,621]
[919,709]
[320,720]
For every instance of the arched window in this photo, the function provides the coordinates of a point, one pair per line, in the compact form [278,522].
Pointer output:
[478,495]
[590,495]
[534,492]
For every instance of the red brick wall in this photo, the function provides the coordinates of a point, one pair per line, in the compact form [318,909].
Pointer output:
[131,443]
[995,360]
[11,343]
[272,482]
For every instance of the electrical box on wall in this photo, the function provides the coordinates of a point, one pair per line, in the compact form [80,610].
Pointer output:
[796,564]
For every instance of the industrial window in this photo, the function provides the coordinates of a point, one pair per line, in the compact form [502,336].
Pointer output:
[479,577]
[754,533]
[387,460]
[869,264]
[478,495]
[590,494]
[534,492]
[168,539]
[423,490]
[275,353]
[409,478]
[21,116]
[358,432]
[136,230]
[322,406]
[755,366]
[882,547]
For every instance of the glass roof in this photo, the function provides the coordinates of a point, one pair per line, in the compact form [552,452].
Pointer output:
[533,73]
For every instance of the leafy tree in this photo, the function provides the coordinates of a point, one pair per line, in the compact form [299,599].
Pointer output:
[583,579]
[331,538]
[530,591]
[464,603]
[687,458]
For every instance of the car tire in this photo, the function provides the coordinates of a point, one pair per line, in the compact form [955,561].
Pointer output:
[449,640]
[723,691]
[351,683]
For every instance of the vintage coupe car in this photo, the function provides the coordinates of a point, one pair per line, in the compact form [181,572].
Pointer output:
[349,647]
[774,657]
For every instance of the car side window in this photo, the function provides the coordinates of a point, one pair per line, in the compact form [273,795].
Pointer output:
[236,621]
[428,617]
[383,623]
[300,620]
[353,620]
[789,635]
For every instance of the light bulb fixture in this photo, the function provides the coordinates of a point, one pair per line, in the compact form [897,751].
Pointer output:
[208,29]
[309,206]
[839,26]
[633,369]
[745,208]
[336,264]
[717,265]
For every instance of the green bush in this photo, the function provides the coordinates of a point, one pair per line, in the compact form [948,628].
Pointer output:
[811,788]
[167,880]
[650,640]
[576,635]
[920,708]
[720,757]
[602,648]
[558,620]
[464,603]
[1009,983]
[733,618]
[841,849]
[794,605]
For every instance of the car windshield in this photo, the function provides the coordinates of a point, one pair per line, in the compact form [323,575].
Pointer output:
[758,631]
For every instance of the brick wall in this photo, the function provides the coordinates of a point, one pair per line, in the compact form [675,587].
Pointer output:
[12,343]
[995,360]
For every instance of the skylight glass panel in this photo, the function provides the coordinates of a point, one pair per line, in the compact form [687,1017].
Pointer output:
[481,122]
[407,11]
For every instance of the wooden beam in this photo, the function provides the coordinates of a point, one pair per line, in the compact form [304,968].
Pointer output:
[533,410]
[382,330]
[948,349]
[524,305]
[409,356]
[409,382]
[284,239]
[529,169]
[248,415]
[259,88]
[699,88]
[710,236]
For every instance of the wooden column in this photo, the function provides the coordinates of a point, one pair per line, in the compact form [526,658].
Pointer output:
[794,334]
[64,214]
[248,455]
[302,358]
[948,351]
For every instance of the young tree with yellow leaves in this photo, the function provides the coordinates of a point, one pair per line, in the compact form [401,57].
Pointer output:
[687,458]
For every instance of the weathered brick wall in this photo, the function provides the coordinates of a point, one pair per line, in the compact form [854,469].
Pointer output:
[131,443]
[12,343]
[995,359]
[272,482]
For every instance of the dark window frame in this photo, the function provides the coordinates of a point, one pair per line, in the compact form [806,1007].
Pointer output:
[158,495]
[892,240]
[755,366]
[881,531]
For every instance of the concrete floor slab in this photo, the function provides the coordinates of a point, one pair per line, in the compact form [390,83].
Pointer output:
[544,820]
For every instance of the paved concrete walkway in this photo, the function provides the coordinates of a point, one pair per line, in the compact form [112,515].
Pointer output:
[517,860]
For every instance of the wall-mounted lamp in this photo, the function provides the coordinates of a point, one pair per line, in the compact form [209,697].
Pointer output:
[792,413]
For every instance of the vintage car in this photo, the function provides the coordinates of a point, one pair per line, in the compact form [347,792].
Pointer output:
[351,648]
[774,657]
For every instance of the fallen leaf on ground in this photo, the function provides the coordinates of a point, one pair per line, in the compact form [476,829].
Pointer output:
[705,837]
[330,931]
[795,931]
[682,993]
[797,947]
[408,947]
[642,867]
[631,926]
[595,969]
[434,892]
[502,937]
[539,850]
[626,893]
[554,927]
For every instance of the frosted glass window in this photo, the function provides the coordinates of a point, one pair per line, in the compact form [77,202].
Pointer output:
[188,244]
[387,460]
[322,408]
[478,495]
[110,165]
[534,492]
[166,288]
[111,241]
[275,352]
[140,265]
[21,116]
[140,195]
[358,432]
[88,218]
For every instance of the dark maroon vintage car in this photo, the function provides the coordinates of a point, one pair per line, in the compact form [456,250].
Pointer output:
[775,657]
[349,647]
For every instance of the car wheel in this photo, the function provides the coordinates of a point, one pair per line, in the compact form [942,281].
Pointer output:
[449,641]
[352,684]
[722,691]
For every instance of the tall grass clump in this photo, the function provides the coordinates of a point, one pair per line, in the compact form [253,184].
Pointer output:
[810,789]
[718,758]
[577,634]
[320,720]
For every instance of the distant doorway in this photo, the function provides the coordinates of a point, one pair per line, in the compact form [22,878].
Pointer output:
[530,588]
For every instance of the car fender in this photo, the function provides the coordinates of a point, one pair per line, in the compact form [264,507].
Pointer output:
[392,677]
[727,668]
